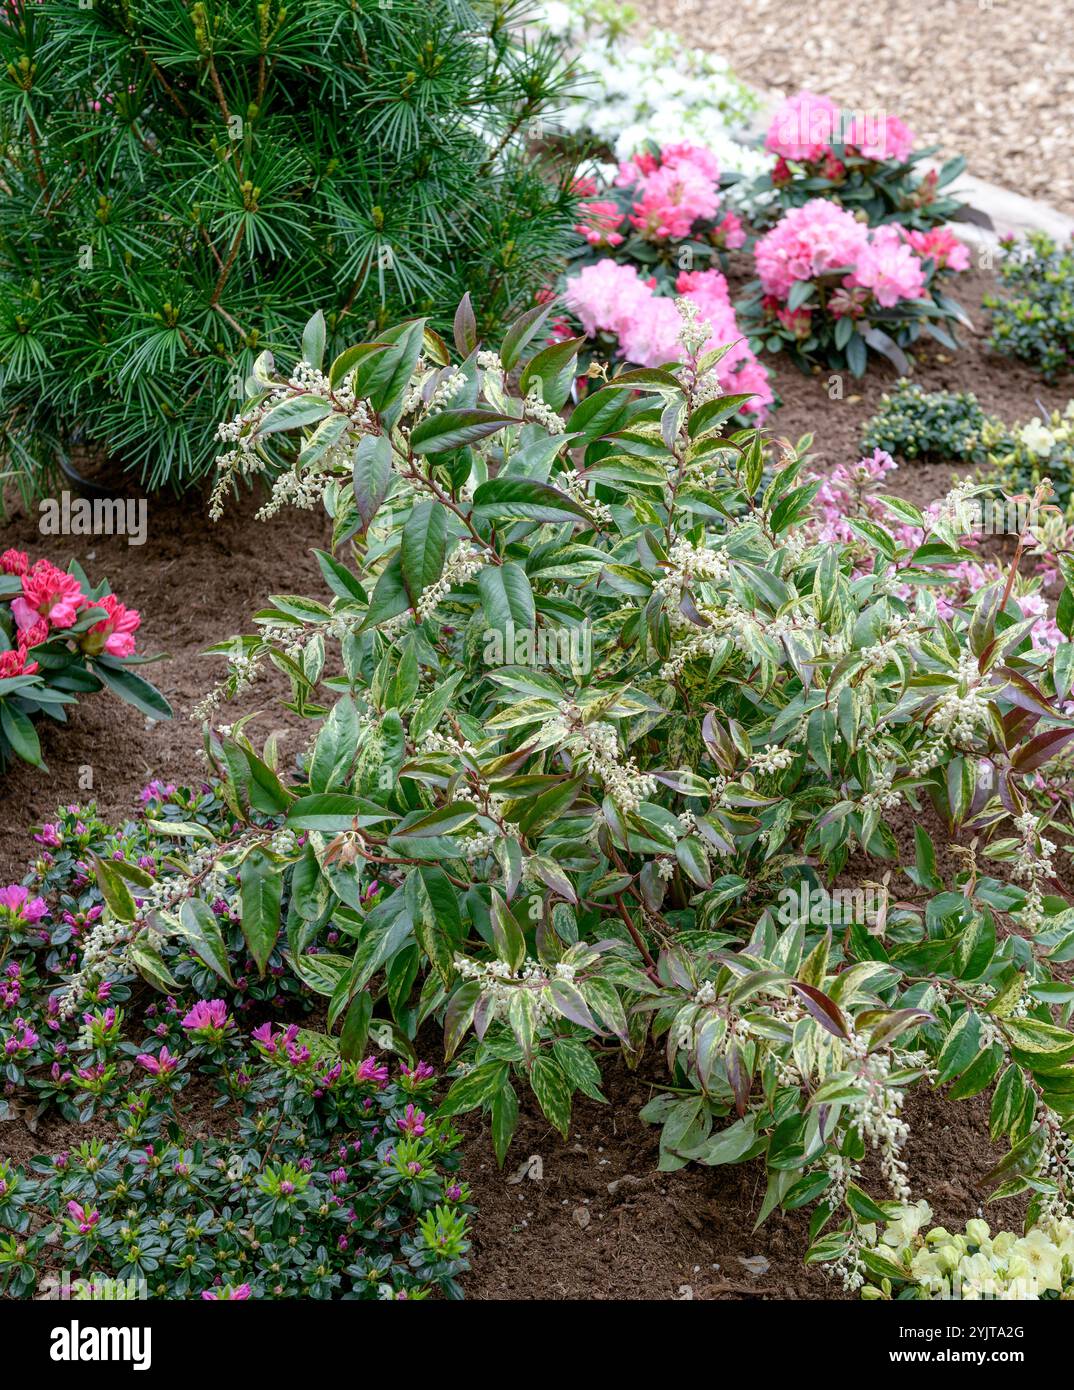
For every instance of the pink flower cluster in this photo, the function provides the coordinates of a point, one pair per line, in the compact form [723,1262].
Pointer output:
[805,128]
[941,246]
[671,191]
[846,494]
[887,262]
[51,600]
[15,900]
[806,242]
[674,190]
[613,298]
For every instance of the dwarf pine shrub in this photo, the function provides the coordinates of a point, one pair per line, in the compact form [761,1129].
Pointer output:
[183,183]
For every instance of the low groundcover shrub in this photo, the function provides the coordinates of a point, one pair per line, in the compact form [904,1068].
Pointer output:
[317,1177]
[936,425]
[1033,317]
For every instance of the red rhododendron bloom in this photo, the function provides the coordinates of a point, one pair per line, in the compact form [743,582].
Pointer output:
[114,634]
[47,593]
[14,562]
[15,664]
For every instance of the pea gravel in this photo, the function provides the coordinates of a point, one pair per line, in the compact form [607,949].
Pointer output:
[990,79]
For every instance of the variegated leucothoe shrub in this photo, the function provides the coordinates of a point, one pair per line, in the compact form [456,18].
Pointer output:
[601,715]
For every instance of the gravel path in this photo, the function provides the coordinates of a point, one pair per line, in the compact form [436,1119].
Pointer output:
[990,79]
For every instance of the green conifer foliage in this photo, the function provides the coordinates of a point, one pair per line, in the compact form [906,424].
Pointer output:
[182,182]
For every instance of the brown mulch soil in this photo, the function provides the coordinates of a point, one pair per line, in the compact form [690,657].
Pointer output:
[600,1222]
[989,79]
[565,1235]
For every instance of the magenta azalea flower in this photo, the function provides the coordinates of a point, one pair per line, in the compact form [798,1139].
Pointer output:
[207,1016]
[413,1122]
[83,1218]
[16,899]
[369,1071]
[227,1294]
[163,1065]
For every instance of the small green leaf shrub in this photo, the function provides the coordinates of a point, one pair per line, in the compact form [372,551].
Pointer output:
[61,637]
[1020,457]
[317,1179]
[599,715]
[1033,319]
[934,425]
[184,184]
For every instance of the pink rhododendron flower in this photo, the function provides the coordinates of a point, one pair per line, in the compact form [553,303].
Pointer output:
[14,562]
[674,189]
[886,264]
[601,219]
[47,592]
[673,199]
[940,245]
[14,663]
[228,1294]
[880,137]
[612,298]
[803,127]
[808,241]
[114,634]
[729,233]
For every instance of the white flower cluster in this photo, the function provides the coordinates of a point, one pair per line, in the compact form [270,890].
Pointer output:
[955,511]
[243,671]
[303,488]
[688,563]
[735,623]
[695,331]
[499,982]
[653,88]
[461,565]
[771,759]
[977,1264]
[538,413]
[960,712]
[576,490]
[880,796]
[598,745]
[1035,865]
[876,1116]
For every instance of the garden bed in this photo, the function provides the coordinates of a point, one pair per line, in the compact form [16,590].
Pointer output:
[600,1221]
